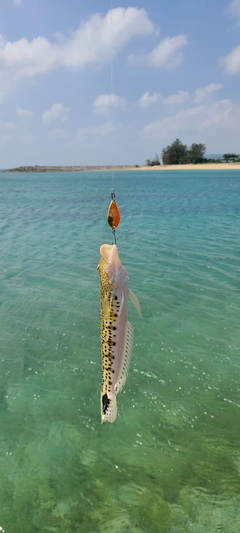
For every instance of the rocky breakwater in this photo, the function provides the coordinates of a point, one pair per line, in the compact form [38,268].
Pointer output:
[38,168]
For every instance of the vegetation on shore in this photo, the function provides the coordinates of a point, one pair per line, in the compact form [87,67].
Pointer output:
[153,162]
[178,153]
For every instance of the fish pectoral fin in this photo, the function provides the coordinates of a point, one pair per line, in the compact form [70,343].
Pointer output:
[126,358]
[135,301]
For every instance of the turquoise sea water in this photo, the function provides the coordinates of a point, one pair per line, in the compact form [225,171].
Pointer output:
[171,461]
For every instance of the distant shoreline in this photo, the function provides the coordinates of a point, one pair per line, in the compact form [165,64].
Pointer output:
[69,168]
[204,166]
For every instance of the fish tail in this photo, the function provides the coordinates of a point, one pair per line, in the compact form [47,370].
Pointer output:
[108,407]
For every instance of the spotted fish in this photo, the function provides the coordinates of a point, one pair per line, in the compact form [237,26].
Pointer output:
[116,332]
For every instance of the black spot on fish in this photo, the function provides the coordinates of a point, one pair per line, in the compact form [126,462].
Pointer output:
[105,403]
[115,297]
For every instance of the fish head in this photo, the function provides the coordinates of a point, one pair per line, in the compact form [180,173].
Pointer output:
[114,269]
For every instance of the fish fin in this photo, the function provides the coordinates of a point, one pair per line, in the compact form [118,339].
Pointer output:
[127,354]
[108,407]
[135,301]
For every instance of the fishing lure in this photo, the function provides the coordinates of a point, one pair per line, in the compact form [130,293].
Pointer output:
[113,216]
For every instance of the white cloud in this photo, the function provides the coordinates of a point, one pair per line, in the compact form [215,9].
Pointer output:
[103,131]
[147,100]
[188,120]
[180,97]
[23,112]
[16,2]
[57,112]
[95,41]
[231,62]
[202,93]
[177,99]
[173,99]
[105,102]
[166,54]
[234,9]
[215,124]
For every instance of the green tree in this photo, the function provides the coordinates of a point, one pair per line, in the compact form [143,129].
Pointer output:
[196,153]
[230,157]
[175,153]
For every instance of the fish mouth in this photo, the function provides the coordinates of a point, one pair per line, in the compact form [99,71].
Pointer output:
[105,251]
[109,253]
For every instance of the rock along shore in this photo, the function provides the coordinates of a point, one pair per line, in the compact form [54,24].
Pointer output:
[38,168]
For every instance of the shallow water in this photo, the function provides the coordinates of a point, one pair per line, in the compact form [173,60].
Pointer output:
[171,461]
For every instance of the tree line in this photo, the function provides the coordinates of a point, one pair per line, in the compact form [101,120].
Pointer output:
[178,153]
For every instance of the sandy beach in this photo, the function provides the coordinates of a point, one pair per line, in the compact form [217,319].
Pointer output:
[204,166]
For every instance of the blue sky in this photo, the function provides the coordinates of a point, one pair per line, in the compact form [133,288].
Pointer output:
[176,73]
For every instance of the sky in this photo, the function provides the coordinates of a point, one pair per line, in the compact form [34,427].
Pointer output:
[84,82]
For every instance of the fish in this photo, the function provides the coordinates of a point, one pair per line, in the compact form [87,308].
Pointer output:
[116,333]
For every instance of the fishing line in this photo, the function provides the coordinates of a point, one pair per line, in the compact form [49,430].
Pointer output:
[111,77]
[113,216]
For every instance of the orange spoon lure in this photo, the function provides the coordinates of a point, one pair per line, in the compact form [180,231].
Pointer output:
[113,216]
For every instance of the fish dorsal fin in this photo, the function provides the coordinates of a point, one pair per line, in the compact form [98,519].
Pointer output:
[127,354]
[135,301]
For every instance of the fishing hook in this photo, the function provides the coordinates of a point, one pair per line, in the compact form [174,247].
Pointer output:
[113,195]
[114,235]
